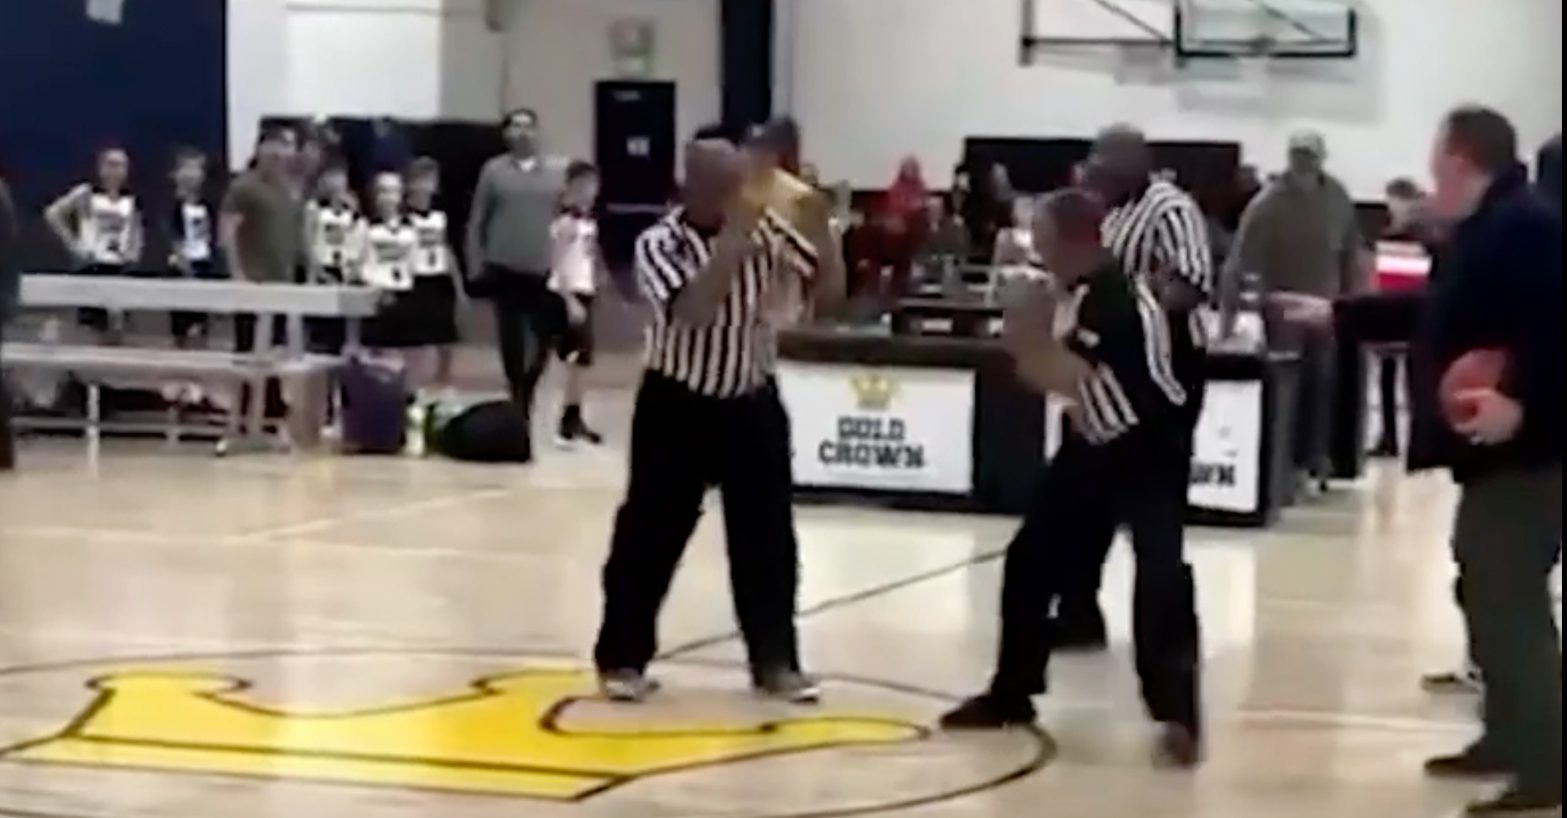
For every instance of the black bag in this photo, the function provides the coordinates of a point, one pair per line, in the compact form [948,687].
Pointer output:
[494,432]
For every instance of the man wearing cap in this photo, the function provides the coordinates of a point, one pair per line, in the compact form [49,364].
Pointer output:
[1300,239]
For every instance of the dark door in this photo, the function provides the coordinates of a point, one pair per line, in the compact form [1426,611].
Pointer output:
[634,146]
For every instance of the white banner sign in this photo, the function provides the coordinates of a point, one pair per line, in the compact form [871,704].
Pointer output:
[887,428]
[1227,449]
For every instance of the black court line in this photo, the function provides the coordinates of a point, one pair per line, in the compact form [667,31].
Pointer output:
[844,601]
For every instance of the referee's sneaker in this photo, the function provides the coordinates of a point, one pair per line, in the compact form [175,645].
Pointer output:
[1108,358]
[708,414]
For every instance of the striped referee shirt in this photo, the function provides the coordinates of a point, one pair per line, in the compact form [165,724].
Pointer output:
[1114,323]
[1161,232]
[737,352]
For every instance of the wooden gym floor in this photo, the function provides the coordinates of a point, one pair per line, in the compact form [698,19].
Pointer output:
[183,637]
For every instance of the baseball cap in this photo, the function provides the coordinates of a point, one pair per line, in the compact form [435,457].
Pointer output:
[1308,142]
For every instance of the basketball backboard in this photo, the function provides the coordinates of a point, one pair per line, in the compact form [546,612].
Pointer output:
[1270,28]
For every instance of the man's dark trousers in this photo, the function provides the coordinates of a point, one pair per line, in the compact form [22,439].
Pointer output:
[683,443]
[1079,613]
[1086,490]
[525,324]
[1507,538]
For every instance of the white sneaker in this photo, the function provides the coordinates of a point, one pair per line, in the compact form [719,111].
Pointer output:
[626,686]
[790,686]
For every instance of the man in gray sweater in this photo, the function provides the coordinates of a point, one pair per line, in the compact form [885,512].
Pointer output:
[508,246]
[1299,237]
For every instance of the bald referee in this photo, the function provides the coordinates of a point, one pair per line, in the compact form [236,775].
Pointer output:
[1158,233]
[708,414]
[1106,357]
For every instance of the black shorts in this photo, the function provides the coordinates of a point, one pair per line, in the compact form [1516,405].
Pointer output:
[96,318]
[423,316]
[183,324]
[574,344]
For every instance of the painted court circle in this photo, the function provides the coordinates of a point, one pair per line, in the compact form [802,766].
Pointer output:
[396,734]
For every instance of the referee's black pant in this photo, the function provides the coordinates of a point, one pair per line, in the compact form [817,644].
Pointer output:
[1085,491]
[1079,613]
[683,443]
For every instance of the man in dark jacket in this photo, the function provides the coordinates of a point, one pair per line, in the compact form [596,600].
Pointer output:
[1500,288]
[1548,172]
[9,284]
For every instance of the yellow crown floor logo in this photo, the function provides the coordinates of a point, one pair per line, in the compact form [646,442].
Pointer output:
[505,737]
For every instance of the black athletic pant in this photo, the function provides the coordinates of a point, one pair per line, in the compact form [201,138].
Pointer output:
[1388,366]
[1079,609]
[1085,491]
[525,319]
[245,329]
[682,444]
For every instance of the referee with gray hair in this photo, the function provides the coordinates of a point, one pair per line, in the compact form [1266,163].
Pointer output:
[708,414]
[1105,353]
[1157,232]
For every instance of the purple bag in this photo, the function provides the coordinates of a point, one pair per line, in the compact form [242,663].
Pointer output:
[375,400]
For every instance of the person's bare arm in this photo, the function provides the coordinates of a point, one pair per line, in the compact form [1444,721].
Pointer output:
[1246,256]
[830,282]
[61,214]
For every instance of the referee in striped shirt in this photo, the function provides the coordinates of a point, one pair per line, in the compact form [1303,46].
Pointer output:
[1106,355]
[708,414]
[1159,235]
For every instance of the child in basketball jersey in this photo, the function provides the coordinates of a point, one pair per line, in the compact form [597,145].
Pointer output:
[575,266]
[437,284]
[100,225]
[387,263]
[334,232]
[190,227]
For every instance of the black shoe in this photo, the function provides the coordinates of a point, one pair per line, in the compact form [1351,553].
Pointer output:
[1518,801]
[1473,763]
[1385,448]
[587,435]
[991,712]
[1179,747]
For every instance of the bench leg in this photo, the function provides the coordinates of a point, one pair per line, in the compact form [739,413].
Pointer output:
[94,421]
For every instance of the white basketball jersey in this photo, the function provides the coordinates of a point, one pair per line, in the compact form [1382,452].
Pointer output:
[108,225]
[574,253]
[332,247]
[432,256]
[195,239]
[390,248]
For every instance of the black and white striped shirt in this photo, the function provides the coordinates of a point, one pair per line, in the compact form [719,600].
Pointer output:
[1114,323]
[737,352]
[1161,232]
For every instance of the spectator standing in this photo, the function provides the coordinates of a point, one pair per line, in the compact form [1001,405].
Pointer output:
[576,267]
[191,224]
[259,227]
[1407,223]
[1299,236]
[508,247]
[10,284]
[100,225]
[1502,291]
